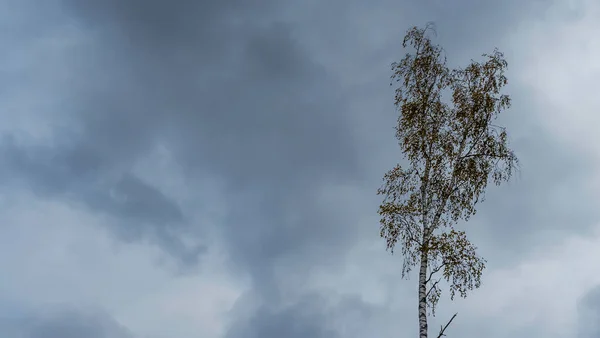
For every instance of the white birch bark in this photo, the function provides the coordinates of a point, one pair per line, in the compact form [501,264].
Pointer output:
[423,297]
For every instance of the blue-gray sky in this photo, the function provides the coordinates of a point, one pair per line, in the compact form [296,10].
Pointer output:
[175,169]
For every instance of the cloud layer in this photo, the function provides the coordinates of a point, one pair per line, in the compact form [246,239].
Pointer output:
[183,169]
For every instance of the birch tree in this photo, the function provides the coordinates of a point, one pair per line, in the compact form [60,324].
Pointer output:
[452,150]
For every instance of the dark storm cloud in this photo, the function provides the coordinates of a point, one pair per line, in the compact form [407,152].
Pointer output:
[268,121]
[249,107]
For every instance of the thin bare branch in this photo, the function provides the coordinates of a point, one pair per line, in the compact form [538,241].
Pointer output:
[443,329]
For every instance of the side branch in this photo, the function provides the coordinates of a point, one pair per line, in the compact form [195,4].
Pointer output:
[443,329]
[434,271]
[432,287]
[430,278]
[478,155]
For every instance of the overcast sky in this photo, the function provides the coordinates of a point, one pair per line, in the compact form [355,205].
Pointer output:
[179,169]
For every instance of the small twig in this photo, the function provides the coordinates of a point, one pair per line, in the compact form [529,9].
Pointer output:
[442,329]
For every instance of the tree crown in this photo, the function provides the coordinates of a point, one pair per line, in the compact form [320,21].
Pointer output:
[453,149]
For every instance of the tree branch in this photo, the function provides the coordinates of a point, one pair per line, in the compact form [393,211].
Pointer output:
[432,287]
[434,271]
[480,154]
[443,329]
[411,235]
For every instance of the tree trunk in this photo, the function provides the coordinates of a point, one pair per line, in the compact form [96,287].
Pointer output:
[423,296]
[424,253]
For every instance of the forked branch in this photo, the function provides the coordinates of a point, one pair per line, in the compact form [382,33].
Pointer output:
[443,328]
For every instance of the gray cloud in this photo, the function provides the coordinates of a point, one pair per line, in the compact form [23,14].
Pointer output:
[65,323]
[303,319]
[589,314]
[547,200]
[273,126]
[243,95]
[81,176]
[316,315]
